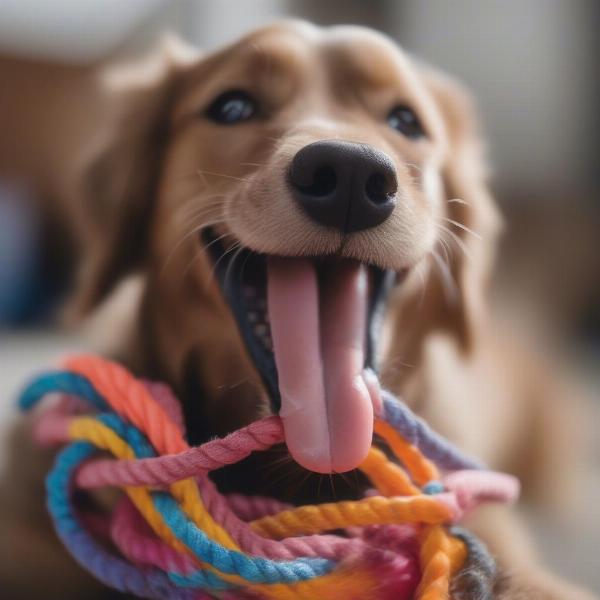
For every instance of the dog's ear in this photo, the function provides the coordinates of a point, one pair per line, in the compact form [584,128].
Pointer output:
[473,221]
[119,168]
[455,280]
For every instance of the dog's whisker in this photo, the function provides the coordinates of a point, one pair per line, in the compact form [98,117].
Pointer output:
[231,264]
[458,201]
[332,484]
[294,144]
[252,164]
[352,485]
[283,460]
[213,271]
[446,248]
[193,176]
[460,243]
[414,166]
[203,178]
[194,231]
[199,201]
[319,485]
[275,473]
[448,284]
[194,210]
[197,255]
[225,175]
[423,287]
[395,362]
[193,213]
[293,490]
[286,475]
[234,385]
[463,227]
[201,198]
[200,221]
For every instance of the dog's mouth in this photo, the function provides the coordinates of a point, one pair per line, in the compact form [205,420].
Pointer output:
[310,326]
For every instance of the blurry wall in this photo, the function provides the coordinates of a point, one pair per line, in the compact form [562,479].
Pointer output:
[70,30]
[532,68]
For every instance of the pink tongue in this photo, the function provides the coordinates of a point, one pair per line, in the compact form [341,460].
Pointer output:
[318,340]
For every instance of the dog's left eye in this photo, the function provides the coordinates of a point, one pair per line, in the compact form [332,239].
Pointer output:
[404,120]
[232,107]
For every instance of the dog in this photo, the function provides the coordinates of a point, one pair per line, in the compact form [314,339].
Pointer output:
[297,212]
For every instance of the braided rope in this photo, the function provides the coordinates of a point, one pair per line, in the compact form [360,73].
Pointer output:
[178,537]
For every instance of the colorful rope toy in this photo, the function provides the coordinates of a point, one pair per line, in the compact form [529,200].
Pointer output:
[173,535]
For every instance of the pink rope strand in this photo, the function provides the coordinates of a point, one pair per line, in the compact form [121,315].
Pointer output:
[164,470]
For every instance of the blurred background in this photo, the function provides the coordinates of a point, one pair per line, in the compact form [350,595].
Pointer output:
[532,66]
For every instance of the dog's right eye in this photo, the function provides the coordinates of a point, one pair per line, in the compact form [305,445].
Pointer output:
[232,107]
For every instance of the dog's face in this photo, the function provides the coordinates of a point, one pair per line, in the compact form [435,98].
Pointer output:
[311,142]
[303,173]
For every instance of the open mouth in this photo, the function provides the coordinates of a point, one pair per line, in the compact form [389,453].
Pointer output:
[310,326]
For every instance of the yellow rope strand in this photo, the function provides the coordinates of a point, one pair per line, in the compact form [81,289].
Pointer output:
[386,476]
[375,510]
[421,469]
[441,556]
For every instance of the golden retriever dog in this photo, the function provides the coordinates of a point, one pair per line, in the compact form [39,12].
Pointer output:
[302,210]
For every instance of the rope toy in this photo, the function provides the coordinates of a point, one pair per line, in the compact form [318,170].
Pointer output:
[171,534]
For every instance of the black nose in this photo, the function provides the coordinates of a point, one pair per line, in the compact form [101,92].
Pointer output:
[344,185]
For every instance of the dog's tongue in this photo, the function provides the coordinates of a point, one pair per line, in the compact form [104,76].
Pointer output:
[318,338]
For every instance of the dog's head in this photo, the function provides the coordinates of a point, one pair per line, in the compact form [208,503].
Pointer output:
[279,195]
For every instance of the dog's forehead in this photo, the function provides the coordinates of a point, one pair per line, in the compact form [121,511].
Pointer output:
[351,45]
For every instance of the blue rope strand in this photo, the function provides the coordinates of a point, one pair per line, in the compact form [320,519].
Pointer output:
[63,382]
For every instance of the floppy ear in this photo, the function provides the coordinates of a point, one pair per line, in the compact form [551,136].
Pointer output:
[454,296]
[474,222]
[119,168]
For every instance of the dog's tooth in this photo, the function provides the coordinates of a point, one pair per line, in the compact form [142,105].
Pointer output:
[252,316]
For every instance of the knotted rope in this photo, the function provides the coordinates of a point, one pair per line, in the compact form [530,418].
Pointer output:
[172,534]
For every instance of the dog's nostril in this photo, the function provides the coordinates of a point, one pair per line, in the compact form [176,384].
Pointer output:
[324,182]
[378,188]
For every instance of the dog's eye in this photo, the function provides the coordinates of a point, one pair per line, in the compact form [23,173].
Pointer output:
[232,107]
[404,120]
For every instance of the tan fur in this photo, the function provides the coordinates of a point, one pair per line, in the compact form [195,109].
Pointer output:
[161,172]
